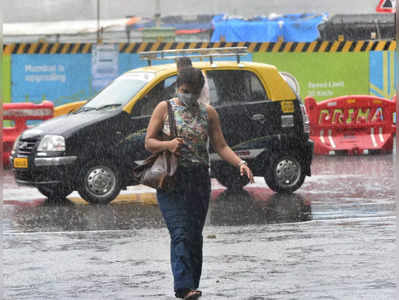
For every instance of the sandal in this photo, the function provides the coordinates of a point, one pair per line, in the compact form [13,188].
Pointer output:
[188,292]
[192,295]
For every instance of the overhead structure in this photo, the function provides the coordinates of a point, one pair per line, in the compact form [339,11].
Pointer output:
[200,53]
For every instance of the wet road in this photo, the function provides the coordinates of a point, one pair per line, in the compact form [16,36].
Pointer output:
[333,239]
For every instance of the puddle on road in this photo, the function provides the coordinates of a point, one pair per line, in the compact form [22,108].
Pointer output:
[340,187]
[245,207]
[257,206]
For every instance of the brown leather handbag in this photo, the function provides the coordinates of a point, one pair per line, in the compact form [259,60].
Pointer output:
[158,170]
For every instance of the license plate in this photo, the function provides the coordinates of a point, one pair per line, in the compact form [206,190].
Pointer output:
[20,162]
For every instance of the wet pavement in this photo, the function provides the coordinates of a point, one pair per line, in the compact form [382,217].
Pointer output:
[332,239]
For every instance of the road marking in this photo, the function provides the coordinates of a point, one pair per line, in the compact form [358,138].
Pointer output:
[138,194]
[142,198]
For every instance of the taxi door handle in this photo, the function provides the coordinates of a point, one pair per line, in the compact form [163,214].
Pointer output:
[258,117]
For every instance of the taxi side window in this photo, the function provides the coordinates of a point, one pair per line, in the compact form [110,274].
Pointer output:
[234,86]
[164,90]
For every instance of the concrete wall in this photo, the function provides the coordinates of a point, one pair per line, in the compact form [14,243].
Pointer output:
[51,10]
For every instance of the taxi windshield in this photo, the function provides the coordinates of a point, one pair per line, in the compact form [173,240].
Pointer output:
[119,92]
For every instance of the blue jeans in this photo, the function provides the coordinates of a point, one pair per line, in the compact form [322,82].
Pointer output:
[184,210]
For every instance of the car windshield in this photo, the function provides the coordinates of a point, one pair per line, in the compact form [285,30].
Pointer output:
[119,92]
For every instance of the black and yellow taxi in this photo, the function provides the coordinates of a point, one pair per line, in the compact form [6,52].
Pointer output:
[94,149]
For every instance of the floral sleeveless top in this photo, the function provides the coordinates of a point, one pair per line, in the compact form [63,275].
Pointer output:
[193,128]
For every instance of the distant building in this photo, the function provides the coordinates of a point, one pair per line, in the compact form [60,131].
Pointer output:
[190,28]
[358,27]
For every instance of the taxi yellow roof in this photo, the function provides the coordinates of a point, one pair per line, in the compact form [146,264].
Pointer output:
[167,68]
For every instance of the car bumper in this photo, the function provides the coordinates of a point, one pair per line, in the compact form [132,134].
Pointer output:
[46,170]
[54,161]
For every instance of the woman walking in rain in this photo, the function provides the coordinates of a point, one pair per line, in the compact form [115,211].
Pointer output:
[185,207]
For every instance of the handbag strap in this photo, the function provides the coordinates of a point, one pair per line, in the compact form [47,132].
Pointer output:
[172,121]
[173,132]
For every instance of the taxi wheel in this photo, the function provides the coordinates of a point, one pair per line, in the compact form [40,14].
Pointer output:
[230,177]
[55,192]
[100,182]
[285,174]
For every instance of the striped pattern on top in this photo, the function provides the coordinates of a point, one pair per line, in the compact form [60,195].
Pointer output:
[317,46]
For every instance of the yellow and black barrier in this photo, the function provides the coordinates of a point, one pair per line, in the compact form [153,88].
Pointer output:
[311,47]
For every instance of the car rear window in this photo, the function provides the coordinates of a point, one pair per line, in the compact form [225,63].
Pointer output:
[234,86]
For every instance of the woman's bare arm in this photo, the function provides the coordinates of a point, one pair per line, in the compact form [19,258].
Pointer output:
[220,145]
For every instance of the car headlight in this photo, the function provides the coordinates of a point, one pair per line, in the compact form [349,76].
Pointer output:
[52,143]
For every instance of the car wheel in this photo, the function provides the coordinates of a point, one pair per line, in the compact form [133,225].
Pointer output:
[230,177]
[100,182]
[55,191]
[285,173]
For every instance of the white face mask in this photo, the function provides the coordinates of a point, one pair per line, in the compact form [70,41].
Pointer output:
[188,99]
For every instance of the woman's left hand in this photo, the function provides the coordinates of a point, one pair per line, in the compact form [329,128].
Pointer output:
[244,169]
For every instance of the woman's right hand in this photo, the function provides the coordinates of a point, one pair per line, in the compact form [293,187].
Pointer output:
[174,145]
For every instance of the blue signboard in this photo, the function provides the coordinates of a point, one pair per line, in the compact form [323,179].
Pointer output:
[60,78]
[383,73]
[128,62]
[104,65]
[65,78]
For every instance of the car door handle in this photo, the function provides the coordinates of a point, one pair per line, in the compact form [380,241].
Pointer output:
[258,117]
